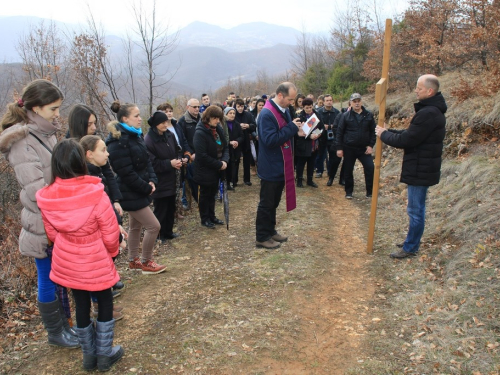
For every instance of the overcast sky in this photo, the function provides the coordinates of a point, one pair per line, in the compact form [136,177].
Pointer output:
[116,15]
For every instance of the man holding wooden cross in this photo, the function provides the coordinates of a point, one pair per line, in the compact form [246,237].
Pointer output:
[423,145]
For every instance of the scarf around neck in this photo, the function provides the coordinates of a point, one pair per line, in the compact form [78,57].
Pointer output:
[131,129]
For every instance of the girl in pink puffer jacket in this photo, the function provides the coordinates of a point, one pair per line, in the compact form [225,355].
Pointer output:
[80,220]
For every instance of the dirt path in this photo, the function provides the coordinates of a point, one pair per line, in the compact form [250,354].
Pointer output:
[225,307]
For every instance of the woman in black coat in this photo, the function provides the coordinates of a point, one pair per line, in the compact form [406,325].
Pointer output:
[137,182]
[165,156]
[306,149]
[235,141]
[212,156]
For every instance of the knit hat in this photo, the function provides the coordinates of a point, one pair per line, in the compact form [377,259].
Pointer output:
[227,109]
[157,118]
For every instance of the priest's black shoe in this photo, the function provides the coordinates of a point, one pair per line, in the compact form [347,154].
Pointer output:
[208,224]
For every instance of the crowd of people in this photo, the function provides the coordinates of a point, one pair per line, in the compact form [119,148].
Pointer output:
[75,191]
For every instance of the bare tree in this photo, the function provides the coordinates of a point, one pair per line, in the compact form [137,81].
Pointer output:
[156,43]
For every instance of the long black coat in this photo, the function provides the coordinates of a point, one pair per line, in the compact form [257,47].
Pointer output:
[162,149]
[206,164]
[246,118]
[422,142]
[236,134]
[303,146]
[129,159]
[350,133]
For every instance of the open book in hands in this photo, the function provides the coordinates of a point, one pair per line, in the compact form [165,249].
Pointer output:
[310,126]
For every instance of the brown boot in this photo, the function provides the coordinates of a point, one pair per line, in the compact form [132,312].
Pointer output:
[117,311]
[269,244]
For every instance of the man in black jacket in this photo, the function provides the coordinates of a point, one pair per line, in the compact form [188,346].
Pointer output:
[247,123]
[423,145]
[188,124]
[328,115]
[355,140]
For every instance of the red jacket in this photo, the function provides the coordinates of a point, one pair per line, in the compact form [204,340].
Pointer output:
[80,220]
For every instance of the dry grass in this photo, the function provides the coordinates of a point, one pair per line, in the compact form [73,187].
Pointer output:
[441,310]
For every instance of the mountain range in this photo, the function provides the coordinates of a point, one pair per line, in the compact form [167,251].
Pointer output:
[206,56]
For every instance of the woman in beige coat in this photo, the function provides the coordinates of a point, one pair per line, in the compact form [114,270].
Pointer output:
[28,136]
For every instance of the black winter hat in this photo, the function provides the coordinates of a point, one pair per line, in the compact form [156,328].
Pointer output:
[157,118]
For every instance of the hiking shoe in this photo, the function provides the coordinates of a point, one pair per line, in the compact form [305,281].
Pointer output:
[150,267]
[401,254]
[368,195]
[279,238]
[135,265]
[319,174]
[269,244]
[348,196]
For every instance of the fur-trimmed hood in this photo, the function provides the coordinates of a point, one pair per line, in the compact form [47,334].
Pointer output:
[11,136]
[114,131]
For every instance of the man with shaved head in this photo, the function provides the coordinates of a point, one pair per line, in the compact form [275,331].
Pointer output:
[423,145]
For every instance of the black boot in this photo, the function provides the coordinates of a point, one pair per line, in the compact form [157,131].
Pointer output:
[86,338]
[330,182]
[51,317]
[64,319]
[107,354]
[310,182]
[299,182]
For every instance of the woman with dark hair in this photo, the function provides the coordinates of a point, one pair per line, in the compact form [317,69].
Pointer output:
[81,223]
[259,104]
[212,156]
[235,140]
[306,149]
[297,106]
[164,152]
[29,135]
[82,121]
[137,181]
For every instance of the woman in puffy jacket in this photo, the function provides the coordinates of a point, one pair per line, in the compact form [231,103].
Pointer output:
[81,222]
[137,181]
[28,137]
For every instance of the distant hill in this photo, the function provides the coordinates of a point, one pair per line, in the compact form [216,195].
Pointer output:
[206,55]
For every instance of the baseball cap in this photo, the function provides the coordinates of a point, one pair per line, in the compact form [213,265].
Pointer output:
[355,96]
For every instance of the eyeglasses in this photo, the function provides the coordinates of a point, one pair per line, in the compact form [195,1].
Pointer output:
[194,106]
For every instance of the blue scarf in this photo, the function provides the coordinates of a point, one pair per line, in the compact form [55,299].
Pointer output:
[131,129]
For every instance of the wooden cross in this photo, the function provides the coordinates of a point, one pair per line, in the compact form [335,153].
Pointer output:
[380,99]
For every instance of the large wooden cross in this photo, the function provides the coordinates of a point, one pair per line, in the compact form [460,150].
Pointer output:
[380,99]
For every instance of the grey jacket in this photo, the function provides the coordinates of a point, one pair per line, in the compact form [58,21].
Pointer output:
[31,163]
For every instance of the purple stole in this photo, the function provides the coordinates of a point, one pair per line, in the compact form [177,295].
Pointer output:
[286,150]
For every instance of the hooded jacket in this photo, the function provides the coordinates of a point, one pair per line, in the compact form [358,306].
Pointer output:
[129,159]
[31,163]
[422,142]
[80,220]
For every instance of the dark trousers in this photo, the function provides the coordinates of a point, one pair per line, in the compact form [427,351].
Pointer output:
[233,166]
[193,185]
[350,156]
[247,161]
[320,159]
[333,165]
[206,201]
[270,197]
[164,210]
[82,303]
[301,162]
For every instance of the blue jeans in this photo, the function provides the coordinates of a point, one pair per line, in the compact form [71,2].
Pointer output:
[46,287]
[416,213]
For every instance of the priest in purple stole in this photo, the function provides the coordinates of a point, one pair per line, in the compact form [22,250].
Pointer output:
[276,130]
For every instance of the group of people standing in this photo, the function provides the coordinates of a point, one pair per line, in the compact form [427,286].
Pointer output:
[74,191]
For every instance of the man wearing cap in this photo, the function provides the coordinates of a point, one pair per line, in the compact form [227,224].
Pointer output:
[423,145]
[355,140]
